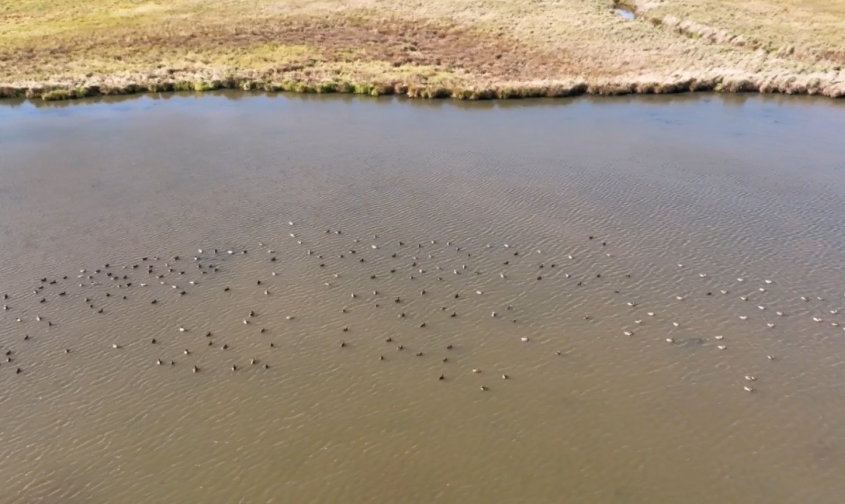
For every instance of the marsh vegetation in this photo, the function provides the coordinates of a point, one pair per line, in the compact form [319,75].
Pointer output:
[441,48]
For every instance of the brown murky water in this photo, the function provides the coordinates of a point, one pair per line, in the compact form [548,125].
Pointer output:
[489,198]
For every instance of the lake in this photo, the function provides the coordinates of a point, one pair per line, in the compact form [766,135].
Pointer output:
[268,299]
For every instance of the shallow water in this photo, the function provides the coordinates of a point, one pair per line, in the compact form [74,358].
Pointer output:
[735,187]
[623,11]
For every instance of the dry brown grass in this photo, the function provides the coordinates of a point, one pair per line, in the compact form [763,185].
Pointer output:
[809,29]
[461,48]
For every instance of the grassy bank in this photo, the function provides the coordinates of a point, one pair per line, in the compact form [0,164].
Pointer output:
[468,49]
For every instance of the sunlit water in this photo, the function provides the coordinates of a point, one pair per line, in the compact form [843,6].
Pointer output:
[624,12]
[682,196]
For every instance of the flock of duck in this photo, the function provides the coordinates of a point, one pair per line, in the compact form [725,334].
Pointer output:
[374,257]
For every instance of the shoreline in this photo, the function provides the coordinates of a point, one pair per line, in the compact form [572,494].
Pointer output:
[442,49]
[809,85]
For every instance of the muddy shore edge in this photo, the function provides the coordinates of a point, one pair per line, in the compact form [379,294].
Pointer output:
[816,85]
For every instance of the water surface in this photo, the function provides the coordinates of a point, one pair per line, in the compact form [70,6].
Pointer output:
[682,196]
